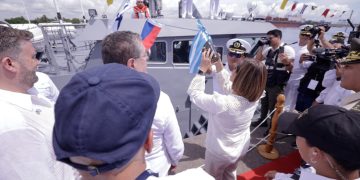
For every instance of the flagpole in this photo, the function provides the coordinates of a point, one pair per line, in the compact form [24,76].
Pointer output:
[26,12]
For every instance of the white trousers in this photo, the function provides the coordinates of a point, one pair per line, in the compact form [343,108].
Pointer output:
[187,8]
[291,92]
[214,8]
[223,168]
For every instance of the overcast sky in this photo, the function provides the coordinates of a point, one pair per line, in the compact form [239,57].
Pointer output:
[72,8]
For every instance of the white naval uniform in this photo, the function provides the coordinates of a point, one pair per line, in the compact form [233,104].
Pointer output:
[350,101]
[333,92]
[187,8]
[298,72]
[214,8]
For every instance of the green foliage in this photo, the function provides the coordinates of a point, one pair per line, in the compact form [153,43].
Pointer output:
[42,19]
[17,20]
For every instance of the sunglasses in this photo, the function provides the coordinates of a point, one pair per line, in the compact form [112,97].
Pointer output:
[231,54]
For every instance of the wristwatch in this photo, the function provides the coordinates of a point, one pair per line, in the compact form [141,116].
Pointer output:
[200,72]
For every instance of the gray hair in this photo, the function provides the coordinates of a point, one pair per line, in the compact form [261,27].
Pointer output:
[120,46]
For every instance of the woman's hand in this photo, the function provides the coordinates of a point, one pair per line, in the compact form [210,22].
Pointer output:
[218,64]
[205,65]
[270,175]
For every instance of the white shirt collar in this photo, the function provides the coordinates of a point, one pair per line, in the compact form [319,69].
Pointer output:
[22,100]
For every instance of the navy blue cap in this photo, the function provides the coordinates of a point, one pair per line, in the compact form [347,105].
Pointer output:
[332,129]
[105,114]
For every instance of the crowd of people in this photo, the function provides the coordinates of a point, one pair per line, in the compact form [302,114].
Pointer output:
[153,8]
[113,121]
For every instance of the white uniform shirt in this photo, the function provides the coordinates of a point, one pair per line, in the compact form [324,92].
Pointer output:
[216,85]
[26,126]
[45,87]
[350,101]
[168,147]
[333,92]
[298,72]
[189,174]
[228,132]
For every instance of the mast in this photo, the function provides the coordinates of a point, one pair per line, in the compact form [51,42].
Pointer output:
[58,14]
[83,12]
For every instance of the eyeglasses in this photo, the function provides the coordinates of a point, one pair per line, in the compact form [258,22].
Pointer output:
[231,54]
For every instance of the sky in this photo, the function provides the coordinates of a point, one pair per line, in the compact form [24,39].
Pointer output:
[72,8]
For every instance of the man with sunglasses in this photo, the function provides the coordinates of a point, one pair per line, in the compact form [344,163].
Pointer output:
[237,50]
[278,58]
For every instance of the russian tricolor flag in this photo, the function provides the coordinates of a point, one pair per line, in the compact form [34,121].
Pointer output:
[150,32]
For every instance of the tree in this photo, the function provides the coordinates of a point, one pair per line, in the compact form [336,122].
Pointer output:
[17,20]
[42,19]
[75,20]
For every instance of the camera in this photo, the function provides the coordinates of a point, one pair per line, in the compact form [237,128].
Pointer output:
[329,55]
[353,33]
[316,30]
[263,41]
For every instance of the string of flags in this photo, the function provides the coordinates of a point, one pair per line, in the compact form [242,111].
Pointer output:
[326,12]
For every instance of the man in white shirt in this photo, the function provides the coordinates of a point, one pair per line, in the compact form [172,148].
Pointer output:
[26,121]
[105,129]
[236,53]
[298,71]
[278,58]
[333,92]
[168,145]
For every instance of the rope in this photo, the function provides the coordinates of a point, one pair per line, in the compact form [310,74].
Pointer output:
[261,140]
[262,122]
[180,27]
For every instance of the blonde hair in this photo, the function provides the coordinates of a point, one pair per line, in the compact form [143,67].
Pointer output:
[250,79]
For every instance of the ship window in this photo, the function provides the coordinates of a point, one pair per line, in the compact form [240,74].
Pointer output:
[158,52]
[181,51]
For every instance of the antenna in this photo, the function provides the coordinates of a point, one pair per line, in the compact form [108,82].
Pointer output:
[351,24]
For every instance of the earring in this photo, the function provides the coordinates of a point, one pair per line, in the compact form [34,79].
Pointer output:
[312,158]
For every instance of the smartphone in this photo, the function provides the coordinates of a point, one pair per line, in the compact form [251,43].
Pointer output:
[216,56]
[281,49]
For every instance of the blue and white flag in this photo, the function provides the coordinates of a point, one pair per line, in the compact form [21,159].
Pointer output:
[124,7]
[196,48]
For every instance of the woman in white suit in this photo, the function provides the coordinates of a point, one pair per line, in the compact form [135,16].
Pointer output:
[230,115]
